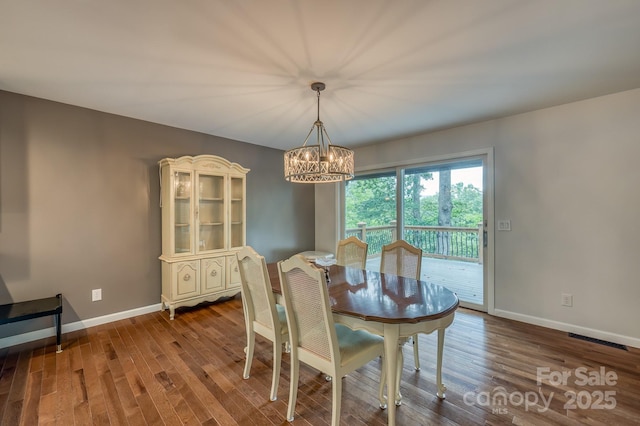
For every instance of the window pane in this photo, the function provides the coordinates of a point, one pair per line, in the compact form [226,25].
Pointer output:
[443,209]
[370,210]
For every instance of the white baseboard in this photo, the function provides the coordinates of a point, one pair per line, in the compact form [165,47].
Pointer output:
[78,325]
[570,328]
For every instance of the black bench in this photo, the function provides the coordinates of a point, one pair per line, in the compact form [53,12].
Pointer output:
[20,311]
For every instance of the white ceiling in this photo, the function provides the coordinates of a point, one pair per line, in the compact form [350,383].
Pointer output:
[242,69]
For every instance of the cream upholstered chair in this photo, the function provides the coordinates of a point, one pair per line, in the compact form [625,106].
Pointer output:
[316,340]
[402,259]
[352,252]
[262,314]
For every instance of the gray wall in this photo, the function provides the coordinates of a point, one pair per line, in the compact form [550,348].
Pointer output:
[79,205]
[567,177]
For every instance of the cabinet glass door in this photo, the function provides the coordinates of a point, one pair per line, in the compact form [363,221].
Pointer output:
[210,213]
[237,212]
[182,212]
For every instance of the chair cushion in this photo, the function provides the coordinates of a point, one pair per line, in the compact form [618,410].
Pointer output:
[282,317]
[353,342]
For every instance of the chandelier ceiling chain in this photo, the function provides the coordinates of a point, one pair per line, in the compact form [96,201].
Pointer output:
[320,163]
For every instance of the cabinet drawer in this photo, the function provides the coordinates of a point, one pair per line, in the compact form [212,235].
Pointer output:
[185,280]
[213,276]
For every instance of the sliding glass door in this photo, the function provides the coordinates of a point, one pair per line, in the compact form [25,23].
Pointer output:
[437,207]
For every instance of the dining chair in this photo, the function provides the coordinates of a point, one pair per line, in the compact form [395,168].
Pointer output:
[262,314]
[405,260]
[316,340]
[352,252]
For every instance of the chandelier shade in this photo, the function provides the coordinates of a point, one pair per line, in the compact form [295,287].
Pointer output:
[319,163]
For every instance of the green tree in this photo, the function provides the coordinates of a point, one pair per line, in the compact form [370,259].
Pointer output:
[429,208]
[467,205]
[445,208]
[413,188]
[370,200]
[466,211]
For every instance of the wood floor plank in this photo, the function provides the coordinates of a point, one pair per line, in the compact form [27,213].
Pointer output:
[170,377]
[118,363]
[32,405]
[95,397]
[176,373]
[80,397]
[64,404]
[114,407]
[150,394]
[18,389]
[47,412]
[7,373]
[37,359]
[121,403]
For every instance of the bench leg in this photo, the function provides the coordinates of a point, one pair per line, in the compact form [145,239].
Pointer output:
[58,321]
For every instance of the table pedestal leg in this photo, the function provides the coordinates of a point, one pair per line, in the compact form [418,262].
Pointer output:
[400,364]
[441,388]
[391,336]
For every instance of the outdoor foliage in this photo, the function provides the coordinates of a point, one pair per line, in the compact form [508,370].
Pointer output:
[373,201]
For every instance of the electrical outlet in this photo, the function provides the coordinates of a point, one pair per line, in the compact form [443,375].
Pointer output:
[96,294]
[567,300]
[504,225]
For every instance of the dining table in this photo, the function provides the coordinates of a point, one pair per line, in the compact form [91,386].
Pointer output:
[390,306]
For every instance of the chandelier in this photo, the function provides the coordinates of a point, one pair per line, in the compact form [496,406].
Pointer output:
[320,163]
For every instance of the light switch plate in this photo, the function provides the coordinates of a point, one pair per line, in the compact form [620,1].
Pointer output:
[567,299]
[504,225]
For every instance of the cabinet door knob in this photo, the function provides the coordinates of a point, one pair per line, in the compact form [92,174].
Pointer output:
[187,277]
[214,273]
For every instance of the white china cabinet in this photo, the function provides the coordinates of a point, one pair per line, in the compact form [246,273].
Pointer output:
[203,225]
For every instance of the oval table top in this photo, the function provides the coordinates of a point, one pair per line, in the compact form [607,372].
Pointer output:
[387,298]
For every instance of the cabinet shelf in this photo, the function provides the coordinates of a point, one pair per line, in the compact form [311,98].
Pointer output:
[181,225]
[211,223]
[211,199]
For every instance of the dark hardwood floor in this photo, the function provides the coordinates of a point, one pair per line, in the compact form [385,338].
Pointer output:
[150,370]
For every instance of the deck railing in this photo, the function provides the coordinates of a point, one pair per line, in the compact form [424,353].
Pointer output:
[443,242]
